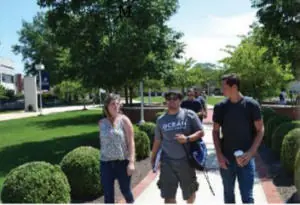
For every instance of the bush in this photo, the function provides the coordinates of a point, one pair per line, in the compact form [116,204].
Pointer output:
[82,167]
[36,182]
[272,125]
[290,147]
[267,112]
[142,144]
[297,172]
[266,125]
[279,134]
[149,128]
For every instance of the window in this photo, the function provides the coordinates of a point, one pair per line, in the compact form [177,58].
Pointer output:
[7,78]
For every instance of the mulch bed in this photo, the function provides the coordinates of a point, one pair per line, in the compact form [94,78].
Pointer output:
[283,181]
[142,168]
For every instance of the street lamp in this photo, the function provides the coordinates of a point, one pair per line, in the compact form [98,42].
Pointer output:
[142,102]
[40,67]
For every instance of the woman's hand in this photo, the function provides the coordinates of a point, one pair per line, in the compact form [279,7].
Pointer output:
[130,168]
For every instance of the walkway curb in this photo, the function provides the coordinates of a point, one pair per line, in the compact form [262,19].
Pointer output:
[270,190]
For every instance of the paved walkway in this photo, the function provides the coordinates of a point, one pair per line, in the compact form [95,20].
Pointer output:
[151,192]
[46,111]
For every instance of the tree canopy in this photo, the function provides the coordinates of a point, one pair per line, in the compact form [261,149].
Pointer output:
[281,24]
[261,77]
[111,51]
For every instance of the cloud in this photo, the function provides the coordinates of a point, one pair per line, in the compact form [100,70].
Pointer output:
[219,32]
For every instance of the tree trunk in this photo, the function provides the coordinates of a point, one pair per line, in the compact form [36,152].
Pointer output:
[130,94]
[126,95]
[182,90]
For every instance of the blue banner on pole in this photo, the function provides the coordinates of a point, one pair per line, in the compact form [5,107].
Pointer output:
[45,81]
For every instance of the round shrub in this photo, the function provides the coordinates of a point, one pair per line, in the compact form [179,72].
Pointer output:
[297,172]
[290,146]
[36,182]
[149,128]
[142,144]
[279,134]
[272,126]
[82,167]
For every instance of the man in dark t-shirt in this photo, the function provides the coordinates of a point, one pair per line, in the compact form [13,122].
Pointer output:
[241,122]
[202,100]
[192,104]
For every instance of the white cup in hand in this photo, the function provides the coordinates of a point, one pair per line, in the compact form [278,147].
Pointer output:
[238,154]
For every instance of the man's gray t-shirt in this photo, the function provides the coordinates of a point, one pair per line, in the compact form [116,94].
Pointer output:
[167,126]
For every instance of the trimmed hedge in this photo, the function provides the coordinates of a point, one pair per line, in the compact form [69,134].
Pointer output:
[82,167]
[267,112]
[266,125]
[290,147]
[297,172]
[149,128]
[279,134]
[142,144]
[272,125]
[36,182]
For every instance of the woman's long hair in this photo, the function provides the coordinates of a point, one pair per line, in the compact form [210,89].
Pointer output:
[110,97]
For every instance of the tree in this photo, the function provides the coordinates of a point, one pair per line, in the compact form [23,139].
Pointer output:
[111,51]
[281,20]
[275,44]
[3,93]
[279,17]
[183,75]
[67,90]
[260,77]
[154,85]
[37,44]
[210,74]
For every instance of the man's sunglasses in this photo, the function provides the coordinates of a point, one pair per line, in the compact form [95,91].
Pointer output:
[172,97]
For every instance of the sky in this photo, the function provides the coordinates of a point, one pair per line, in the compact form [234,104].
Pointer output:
[208,26]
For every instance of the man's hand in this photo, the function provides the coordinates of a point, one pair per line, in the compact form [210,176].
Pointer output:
[182,139]
[245,158]
[222,161]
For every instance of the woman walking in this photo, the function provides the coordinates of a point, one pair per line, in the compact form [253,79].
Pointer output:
[117,150]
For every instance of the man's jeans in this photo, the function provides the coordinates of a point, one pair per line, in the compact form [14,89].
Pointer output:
[110,171]
[245,176]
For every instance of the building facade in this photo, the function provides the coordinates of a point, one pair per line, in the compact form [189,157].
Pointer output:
[7,74]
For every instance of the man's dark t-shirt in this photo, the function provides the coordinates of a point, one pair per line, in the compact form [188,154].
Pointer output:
[192,105]
[237,124]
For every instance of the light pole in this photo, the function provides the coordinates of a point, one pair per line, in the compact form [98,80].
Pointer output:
[40,67]
[142,102]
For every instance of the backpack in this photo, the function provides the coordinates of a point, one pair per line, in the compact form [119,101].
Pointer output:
[197,155]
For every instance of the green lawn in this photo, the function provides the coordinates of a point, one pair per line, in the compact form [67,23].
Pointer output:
[47,138]
[211,100]
[157,99]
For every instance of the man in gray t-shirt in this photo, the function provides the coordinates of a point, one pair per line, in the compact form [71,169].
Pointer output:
[174,130]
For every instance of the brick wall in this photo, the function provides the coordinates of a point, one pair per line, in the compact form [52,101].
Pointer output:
[290,111]
[134,113]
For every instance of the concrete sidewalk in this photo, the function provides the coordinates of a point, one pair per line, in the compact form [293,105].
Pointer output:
[152,194]
[46,111]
